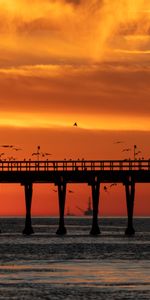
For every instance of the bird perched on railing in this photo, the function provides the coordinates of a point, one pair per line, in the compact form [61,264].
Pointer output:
[11,158]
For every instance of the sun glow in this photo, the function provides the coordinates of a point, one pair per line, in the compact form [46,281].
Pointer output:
[99,122]
[64,29]
[52,63]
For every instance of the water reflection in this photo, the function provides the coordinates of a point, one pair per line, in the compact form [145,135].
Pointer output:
[94,273]
[77,266]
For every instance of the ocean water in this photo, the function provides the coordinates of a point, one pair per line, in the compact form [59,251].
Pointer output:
[76,266]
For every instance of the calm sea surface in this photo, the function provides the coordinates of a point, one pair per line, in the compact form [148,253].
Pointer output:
[77,266]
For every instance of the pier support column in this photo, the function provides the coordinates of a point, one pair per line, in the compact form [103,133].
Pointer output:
[62,197]
[28,200]
[130,193]
[95,200]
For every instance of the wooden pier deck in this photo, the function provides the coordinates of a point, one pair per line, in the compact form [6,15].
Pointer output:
[61,173]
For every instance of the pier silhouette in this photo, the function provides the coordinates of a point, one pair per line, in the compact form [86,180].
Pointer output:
[63,172]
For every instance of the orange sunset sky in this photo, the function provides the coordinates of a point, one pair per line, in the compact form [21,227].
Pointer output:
[66,61]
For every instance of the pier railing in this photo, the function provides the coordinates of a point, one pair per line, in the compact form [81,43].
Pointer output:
[74,165]
[62,172]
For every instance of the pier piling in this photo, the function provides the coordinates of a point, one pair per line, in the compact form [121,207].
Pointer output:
[130,194]
[61,197]
[63,172]
[95,201]
[28,201]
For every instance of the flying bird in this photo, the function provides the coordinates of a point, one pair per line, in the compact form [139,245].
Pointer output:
[138,152]
[34,153]
[7,146]
[46,154]
[75,124]
[17,149]
[113,184]
[126,150]
[70,191]
[105,188]
[118,142]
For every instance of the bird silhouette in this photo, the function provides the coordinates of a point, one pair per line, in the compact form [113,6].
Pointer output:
[17,149]
[46,154]
[126,150]
[75,124]
[11,158]
[138,152]
[113,184]
[34,153]
[119,142]
[70,191]
[7,146]
[105,188]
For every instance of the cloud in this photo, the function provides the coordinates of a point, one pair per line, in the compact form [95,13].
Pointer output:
[78,58]
[57,95]
[78,29]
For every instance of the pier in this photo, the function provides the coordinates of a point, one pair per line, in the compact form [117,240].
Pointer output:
[91,172]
